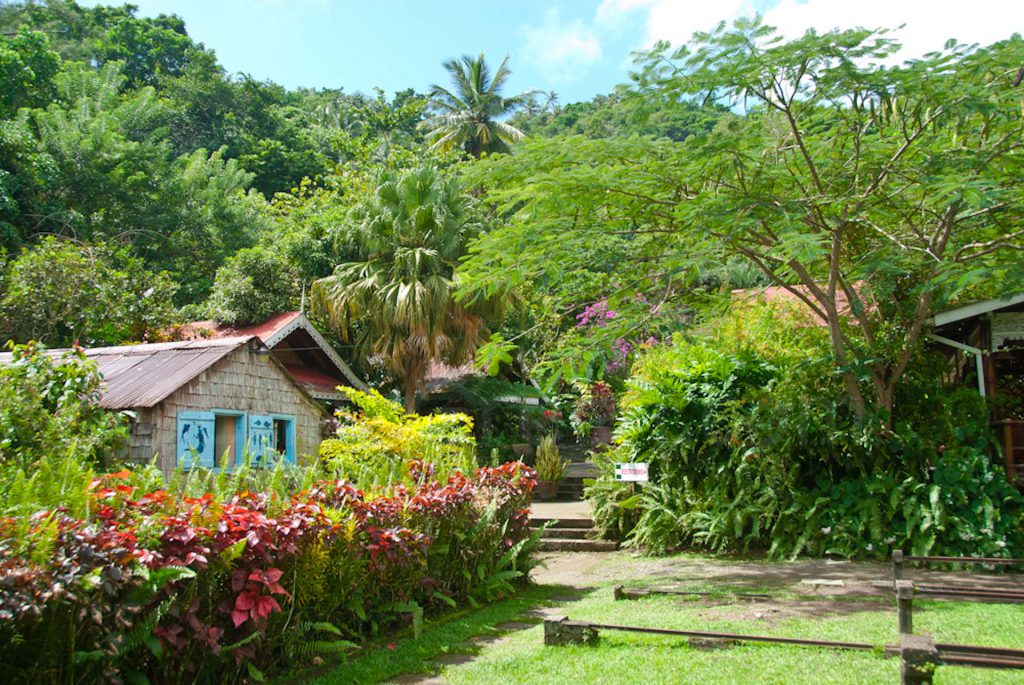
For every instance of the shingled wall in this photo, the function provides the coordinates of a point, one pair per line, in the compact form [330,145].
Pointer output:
[242,381]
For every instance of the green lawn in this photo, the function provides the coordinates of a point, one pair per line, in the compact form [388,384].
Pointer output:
[522,659]
[449,635]
[650,659]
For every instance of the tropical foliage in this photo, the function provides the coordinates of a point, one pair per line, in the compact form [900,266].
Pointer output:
[95,295]
[378,443]
[751,447]
[48,407]
[470,117]
[395,299]
[148,585]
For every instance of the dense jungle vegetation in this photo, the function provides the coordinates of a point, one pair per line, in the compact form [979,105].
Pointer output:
[585,248]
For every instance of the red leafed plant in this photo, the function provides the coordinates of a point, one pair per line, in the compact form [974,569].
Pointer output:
[170,588]
[255,601]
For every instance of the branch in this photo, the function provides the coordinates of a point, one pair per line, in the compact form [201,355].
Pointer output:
[984,248]
[887,167]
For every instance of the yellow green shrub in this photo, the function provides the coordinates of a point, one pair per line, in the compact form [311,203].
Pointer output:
[377,440]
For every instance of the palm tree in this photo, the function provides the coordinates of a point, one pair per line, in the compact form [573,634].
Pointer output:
[469,116]
[408,237]
[551,103]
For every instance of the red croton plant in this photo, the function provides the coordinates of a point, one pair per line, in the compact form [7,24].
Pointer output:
[161,587]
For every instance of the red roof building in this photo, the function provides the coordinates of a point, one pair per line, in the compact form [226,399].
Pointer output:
[297,345]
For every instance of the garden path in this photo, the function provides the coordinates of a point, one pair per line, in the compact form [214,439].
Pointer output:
[814,577]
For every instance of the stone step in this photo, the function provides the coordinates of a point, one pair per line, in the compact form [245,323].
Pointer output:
[581,470]
[562,545]
[538,521]
[571,533]
[568,489]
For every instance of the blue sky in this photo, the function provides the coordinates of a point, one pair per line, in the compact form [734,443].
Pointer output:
[578,48]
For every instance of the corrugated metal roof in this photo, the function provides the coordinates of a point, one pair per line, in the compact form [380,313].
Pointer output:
[265,331]
[144,375]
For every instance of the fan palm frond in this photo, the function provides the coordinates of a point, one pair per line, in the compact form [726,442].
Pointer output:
[409,235]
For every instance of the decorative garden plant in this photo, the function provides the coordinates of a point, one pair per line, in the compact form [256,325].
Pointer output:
[550,467]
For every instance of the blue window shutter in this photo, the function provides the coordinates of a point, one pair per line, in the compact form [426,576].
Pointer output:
[291,440]
[261,438]
[195,439]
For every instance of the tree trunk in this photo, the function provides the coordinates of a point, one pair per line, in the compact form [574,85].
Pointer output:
[839,352]
[410,396]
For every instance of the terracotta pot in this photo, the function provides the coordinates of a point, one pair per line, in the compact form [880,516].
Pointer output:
[546,489]
[600,435]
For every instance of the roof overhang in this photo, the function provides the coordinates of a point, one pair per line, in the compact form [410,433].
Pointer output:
[970,311]
[301,322]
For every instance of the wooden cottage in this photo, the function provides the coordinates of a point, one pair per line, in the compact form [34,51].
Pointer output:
[985,344]
[193,402]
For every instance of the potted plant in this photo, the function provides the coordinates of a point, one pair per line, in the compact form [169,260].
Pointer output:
[594,412]
[550,467]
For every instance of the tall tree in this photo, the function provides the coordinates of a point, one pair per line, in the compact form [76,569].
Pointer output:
[396,299]
[894,189]
[62,292]
[469,116]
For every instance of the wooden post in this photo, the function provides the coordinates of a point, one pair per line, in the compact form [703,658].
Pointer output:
[905,606]
[630,593]
[919,658]
[562,631]
[897,566]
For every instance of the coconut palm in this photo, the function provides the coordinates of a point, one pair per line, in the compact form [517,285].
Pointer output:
[397,300]
[468,117]
[551,103]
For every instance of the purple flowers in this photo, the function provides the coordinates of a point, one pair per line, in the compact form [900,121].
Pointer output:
[596,314]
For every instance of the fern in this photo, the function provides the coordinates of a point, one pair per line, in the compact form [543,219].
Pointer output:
[413,608]
[306,644]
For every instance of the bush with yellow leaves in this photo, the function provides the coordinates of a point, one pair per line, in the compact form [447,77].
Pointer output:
[377,441]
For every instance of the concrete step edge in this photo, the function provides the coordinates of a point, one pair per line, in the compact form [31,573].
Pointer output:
[537,522]
[571,533]
[563,545]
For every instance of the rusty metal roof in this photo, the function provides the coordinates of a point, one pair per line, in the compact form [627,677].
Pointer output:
[273,332]
[144,375]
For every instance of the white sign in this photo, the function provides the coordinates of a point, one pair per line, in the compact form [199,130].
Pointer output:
[1007,326]
[636,473]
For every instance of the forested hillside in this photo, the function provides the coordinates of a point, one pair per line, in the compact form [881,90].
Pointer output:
[133,168]
[125,144]
[585,253]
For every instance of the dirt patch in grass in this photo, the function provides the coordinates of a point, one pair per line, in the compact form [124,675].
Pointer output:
[775,610]
[592,569]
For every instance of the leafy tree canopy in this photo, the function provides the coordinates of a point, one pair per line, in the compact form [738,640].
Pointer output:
[62,293]
[396,297]
[837,177]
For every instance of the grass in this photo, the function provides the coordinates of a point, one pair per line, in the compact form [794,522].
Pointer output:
[521,657]
[651,659]
[448,635]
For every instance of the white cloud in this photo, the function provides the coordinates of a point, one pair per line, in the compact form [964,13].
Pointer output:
[929,23]
[564,49]
[673,20]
